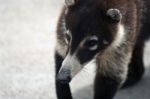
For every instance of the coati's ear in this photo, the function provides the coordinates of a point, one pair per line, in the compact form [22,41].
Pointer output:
[69,3]
[114,14]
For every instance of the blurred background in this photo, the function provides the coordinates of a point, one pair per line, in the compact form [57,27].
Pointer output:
[27,38]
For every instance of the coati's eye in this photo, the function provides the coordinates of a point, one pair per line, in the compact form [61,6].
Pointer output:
[92,43]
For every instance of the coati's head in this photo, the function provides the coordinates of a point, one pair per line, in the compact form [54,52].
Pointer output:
[91,27]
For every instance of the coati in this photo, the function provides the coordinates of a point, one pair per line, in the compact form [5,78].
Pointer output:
[111,33]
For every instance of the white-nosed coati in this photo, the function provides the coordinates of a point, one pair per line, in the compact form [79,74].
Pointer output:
[109,32]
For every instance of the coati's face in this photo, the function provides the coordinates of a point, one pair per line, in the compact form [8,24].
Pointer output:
[90,29]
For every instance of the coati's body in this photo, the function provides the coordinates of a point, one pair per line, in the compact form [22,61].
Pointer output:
[109,32]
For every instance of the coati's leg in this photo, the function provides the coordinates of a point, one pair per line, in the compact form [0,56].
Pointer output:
[62,90]
[136,66]
[105,87]
[112,68]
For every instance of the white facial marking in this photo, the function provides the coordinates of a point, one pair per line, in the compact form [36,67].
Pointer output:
[69,2]
[90,67]
[86,78]
[105,42]
[68,34]
[119,36]
[94,38]
[67,42]
[95,46]
[72,63]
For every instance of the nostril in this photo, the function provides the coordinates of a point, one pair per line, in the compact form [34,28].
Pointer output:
[65,72]
[63,76]
[63,80]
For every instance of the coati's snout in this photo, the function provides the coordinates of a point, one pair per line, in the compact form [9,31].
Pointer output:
[70,67]
[64,75]
[84,53]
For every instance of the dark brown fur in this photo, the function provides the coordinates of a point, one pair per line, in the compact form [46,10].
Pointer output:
[87,17]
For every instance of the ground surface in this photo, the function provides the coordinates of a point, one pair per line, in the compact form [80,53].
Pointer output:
[27,39]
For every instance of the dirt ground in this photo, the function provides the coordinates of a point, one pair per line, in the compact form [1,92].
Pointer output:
[27,29]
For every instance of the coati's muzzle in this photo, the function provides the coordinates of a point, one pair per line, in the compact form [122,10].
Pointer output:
[64,75]
[70,67]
